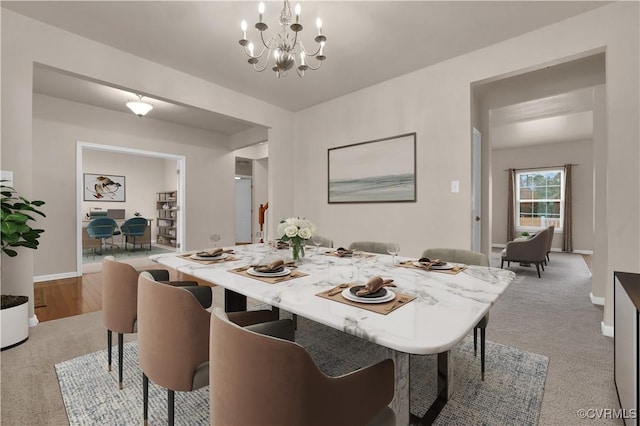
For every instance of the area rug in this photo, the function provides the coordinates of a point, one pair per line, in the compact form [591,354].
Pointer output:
[88,257]
[511,393]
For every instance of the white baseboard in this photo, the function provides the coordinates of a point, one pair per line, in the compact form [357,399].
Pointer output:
[51,277]
[607,330]
[596,300]
[555,249]
[590,252]
[33,321]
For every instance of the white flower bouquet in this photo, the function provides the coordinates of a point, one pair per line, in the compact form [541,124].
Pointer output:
[295,231]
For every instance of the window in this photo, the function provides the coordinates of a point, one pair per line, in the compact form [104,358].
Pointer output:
[539,199]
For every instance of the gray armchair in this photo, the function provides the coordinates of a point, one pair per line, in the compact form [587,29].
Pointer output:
[532,250]
[550,240]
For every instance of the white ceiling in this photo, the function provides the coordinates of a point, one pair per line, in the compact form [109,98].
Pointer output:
[559,118]
[367,42]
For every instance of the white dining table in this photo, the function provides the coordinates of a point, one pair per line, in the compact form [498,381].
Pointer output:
[445,310]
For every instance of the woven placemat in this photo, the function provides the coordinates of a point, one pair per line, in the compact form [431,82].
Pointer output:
[229,258]
[379,308]
[269,280]
[409,264]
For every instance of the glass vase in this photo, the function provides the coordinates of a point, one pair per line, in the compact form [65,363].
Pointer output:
[297,250]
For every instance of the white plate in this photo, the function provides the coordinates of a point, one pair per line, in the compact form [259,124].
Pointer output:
[283,273]
[444,267]
[388,297]
[196,257]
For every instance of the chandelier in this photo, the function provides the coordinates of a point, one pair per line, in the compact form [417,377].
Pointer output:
[284,47]
[139,107]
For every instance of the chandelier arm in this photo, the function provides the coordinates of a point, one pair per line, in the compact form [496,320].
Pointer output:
[255,56]
[314,68]
[266,64]
[263,42]
[304,49]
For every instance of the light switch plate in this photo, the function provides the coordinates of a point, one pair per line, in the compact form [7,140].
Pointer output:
[455,186]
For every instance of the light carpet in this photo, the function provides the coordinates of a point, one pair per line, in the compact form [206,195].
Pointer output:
[511,393]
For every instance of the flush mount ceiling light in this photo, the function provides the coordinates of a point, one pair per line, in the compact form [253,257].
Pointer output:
[139,108]
[284,46]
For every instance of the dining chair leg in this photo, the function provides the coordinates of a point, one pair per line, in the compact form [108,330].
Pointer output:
[538,269]
[482,348]
[145,398]
[475,341]
[501,264]
[120,357]
[109,342]
[170,406]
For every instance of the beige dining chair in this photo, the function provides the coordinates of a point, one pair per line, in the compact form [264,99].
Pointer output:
[120,303]
[259,377]
[369,246]
[466,257]
[173,339]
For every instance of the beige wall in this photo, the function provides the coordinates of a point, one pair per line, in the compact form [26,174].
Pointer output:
[578,152]
[26,42]
[436,103]
[58,126]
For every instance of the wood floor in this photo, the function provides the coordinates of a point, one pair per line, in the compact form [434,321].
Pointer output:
[74,296]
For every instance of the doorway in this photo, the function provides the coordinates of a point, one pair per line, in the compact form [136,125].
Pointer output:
[243,209]
[180,184]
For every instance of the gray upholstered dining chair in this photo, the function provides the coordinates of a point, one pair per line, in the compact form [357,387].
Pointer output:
[325,242]
[173,338]
[120,302]
[259,377]
[530,250]
[467,257]
[369,246]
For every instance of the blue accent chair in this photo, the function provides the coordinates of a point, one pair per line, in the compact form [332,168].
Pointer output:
[102,228]
[132,228]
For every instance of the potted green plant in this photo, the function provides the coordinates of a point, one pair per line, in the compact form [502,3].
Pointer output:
[17,214]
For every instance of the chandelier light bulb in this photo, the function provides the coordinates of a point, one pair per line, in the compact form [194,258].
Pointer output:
[261,10]
[243,26]
[302,55]
[250,47]
[298,9]
[319,25]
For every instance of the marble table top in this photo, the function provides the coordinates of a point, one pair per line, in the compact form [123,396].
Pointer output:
[447,306]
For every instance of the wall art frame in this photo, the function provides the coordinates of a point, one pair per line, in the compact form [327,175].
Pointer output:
[104,187]
[376,171]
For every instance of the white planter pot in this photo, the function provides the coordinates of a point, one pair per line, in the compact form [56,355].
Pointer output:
[14,324]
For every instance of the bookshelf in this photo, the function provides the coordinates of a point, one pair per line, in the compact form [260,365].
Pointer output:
[167,207]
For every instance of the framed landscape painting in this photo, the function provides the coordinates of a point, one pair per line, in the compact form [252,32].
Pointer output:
[104,187]
[378,171]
